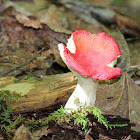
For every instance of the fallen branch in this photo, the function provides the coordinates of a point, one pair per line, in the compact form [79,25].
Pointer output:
[39,93]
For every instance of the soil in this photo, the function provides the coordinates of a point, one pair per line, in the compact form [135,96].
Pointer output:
[97,131]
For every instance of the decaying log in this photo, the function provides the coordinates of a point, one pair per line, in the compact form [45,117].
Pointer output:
[36,94]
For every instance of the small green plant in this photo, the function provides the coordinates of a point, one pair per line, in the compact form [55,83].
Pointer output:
[80,118]
[29,75]
[58,116]
[118,1]
[99,115]
[7,123]
[4,94]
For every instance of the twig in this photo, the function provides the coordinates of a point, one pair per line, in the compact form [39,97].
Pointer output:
[136,66]
[25,63]
[55,60]
[133,68]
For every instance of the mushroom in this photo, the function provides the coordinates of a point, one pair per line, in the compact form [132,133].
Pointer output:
[91,57]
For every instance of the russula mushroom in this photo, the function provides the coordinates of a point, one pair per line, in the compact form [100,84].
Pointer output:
[91,57]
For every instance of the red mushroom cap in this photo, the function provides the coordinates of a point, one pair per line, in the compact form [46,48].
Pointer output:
[92,55]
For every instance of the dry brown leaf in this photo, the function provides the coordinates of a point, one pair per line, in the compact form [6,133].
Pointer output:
[23,133]
[1,137]
[88,137]
[17,40]
[28,22]
[44,131]
[125,62]
[121,98]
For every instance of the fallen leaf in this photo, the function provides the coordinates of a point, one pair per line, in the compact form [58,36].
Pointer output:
[17,40]
[88,137]
[121,98]
[23,133]
[1,137]
[43,131]
[134,48]
[125,61]
[55,18]
[102,137]
[28,22]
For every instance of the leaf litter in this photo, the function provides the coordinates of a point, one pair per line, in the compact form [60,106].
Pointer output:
[122,99]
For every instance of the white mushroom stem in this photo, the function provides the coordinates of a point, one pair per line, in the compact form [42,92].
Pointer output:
[84,93]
